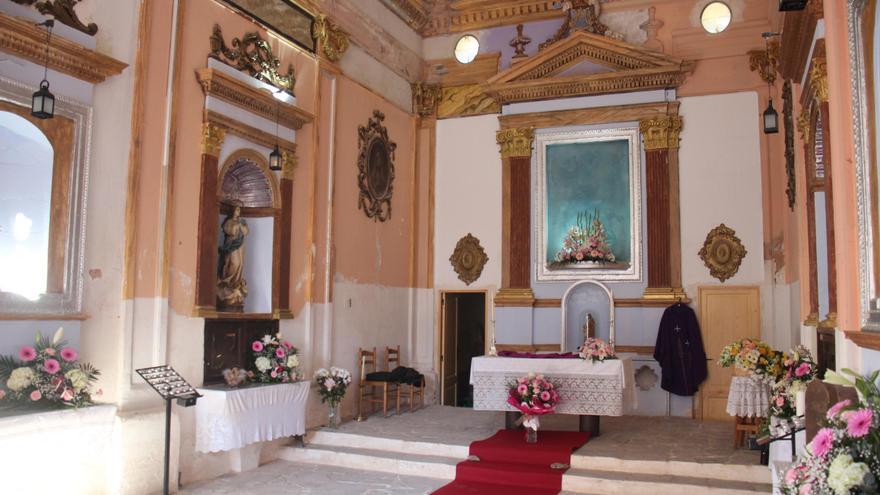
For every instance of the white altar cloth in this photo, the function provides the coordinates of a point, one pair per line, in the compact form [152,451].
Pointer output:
[602,389]
[228,419]
[748,398]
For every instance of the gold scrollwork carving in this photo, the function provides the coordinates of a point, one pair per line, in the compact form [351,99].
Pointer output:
[804,127]
[212,139]
[819,79]
[661,132]
[252,54]
[62,11]
[723,252]
[333,40]
[765,62]
[515,142]
[468,259]
[289,161]
[426,98]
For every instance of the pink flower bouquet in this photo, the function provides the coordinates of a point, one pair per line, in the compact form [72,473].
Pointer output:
[47,373]
[596,350]
[798,370]
[586,241]
[533,395]
[274,360]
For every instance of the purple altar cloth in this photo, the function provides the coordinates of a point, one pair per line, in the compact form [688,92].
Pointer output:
[530,355]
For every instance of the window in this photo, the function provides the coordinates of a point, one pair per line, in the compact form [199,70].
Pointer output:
[715,17]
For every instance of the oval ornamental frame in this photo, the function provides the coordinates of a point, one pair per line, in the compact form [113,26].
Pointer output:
[375,168]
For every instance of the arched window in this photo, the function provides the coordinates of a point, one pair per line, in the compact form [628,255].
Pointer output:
[26,169]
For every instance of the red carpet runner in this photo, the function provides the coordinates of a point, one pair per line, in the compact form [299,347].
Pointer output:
[509,466]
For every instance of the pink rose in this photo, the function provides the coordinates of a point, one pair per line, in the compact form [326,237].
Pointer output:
[51,366]
[257,346]
[67,396]
[68,354]
[27,353]
[791,476]
[2,394]
[287,344]
[273,374]
[805,489]
[49,351]
[803,369]
[280,353]
[36,395]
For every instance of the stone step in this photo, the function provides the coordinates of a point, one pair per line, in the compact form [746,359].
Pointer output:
[584,481]
[706,470]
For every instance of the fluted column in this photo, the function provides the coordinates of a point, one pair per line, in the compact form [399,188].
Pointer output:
[661,135]
[516,158]
[209,210]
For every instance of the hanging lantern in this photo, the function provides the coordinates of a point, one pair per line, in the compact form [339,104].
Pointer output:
[275,159]
[771,119]
[43,102]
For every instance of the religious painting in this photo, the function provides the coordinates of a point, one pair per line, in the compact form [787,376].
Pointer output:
[283,17]
[588,205]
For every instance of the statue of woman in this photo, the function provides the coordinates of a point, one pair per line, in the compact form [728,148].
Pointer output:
[589,328]
[231,285]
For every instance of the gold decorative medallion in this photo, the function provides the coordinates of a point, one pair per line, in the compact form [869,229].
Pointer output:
[334,41]
[468,259]
[252,54]
[722,252]
[515,142]
[375,168]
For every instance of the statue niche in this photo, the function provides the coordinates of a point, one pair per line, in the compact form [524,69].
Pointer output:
[231,284]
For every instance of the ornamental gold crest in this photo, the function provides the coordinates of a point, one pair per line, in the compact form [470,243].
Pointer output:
[722,252]
[468,259]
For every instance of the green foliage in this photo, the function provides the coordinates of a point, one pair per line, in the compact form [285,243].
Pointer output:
[7,364]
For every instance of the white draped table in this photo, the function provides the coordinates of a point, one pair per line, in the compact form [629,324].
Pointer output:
[748,398]
[229,419]
[585,388]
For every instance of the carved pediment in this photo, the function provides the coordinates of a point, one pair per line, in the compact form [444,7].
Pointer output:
[587,64]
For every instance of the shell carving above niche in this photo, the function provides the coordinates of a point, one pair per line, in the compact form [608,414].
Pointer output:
[468,259]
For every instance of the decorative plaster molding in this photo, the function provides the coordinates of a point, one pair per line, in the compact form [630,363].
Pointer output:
[260,102]
[26,40]
[212,139]
[799,27]
[515,142]
[413,12]
[332,40]
[661,132]
[249,133]
[459,101]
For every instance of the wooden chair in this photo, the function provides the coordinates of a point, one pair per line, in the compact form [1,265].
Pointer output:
[374,380]
[393,355]
[743,427]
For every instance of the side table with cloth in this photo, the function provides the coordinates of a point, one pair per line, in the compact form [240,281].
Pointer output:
[237,419]
[585,388]
[748,400]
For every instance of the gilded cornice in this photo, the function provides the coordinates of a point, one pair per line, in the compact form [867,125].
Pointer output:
[223,86]
[661,132]
[26,40]
[426,98]
[819,79]
[212,139]
[249,133]
[515,142]
[332,40]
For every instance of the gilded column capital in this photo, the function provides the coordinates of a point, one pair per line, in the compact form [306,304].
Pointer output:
[819,79]
[661,132]
[289,161]
[804,127]
[426,98]
[212,139]
[515,142]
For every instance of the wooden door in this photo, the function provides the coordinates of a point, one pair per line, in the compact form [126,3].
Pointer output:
[449,354]
[727,314]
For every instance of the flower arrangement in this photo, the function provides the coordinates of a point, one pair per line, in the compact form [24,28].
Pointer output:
[755,357]
[274,360]
[844,456]
[798,369]
[47,373]
[596,350]
[586,241]
[781,404]
[332,384]
[534,396]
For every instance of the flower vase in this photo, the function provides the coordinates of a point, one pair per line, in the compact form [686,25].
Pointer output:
[800,403]
[333,417]
[531,435]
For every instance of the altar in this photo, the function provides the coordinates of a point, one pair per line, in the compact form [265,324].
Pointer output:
[585,388]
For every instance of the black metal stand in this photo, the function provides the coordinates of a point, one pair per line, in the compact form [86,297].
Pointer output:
[167,446]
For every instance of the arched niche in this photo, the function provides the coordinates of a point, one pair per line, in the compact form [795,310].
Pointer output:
[583,297]
[245,180]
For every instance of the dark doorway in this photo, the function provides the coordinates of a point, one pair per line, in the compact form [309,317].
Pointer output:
[464,337]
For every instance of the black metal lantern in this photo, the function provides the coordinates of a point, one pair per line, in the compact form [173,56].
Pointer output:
[275,159]
[43,102]
[771,119]
[790,5]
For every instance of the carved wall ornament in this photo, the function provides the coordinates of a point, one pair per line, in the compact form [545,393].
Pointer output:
[252,54]
[788,122]
[805,127]
[375,168]
[722,252]
[468,259]
[819,79]
[515,142]
[63,12]
[460,101]
[765,62]
[645,378]
[212,139]
[333,40]
[426,98]
[580,15]
[661,132]
[651,27]
[519,43]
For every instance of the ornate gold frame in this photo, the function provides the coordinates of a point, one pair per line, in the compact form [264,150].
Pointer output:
[468,259]
[723,252]
[376,204]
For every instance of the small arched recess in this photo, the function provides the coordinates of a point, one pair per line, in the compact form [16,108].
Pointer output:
[582,298]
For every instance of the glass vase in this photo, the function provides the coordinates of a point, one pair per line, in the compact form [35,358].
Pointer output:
[333,417]
[531,435]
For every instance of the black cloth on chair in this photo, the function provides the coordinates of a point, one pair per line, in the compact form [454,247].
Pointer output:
[408,376]
[679,351]
[379,376]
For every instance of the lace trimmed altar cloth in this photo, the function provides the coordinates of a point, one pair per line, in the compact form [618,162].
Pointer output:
[228,419]
[585,388]
[748,398]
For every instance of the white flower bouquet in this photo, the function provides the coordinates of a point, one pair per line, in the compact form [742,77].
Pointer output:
[332,384]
